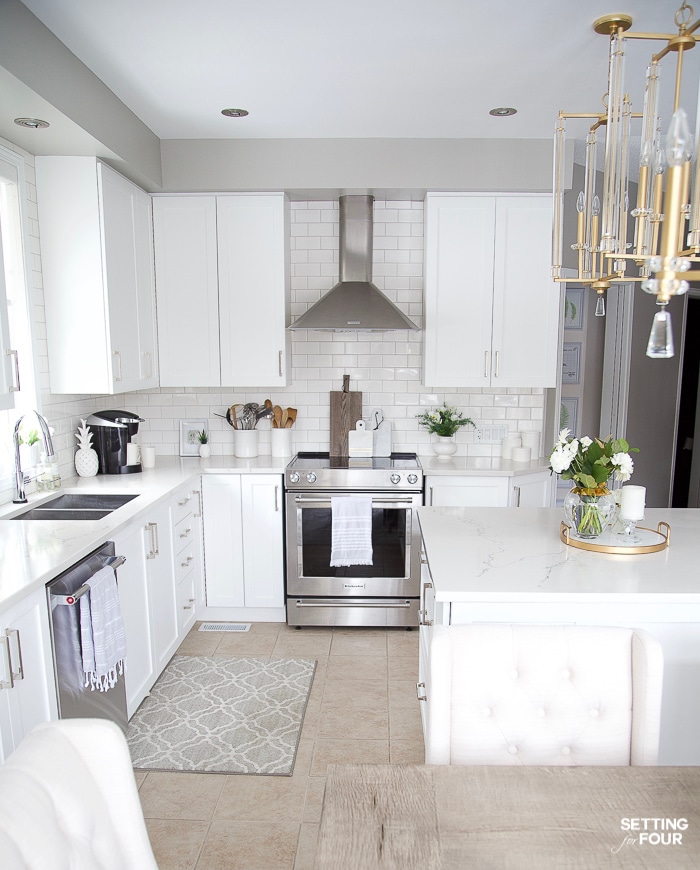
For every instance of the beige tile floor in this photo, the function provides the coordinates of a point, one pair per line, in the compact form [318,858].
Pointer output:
[362,708]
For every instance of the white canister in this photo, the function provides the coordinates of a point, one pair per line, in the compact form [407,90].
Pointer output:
[148,456]
[532,440]
[245,443]
[133,454]
[281,442]
[521,454]
[508,445]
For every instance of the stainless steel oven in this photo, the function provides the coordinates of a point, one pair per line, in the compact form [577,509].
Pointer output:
[384,593]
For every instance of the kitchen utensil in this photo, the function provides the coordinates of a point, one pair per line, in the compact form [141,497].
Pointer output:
[277,412]
[283,421]
[291,417]
[376,417]
[263,412]
[345,411]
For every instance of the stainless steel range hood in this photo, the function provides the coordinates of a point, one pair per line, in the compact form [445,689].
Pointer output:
[354,304]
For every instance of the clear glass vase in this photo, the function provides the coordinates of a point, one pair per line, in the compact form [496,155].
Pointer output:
[588,516]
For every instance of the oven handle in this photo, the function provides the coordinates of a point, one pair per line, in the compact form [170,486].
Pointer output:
[349,602]
[300,499]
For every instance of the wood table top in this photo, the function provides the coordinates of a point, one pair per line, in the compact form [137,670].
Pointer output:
[509,818]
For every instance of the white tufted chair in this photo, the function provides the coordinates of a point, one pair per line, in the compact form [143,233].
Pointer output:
[542,694]
[68,799]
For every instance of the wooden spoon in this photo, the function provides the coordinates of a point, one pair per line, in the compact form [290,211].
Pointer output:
[291,417]
[234,422]
[277,411]
[283,421]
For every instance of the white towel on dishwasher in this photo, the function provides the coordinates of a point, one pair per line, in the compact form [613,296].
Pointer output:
[351,539]
[102,633]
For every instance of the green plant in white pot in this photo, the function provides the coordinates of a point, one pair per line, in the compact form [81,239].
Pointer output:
[204,448]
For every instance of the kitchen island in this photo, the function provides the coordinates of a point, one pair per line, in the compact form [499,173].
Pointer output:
[505,565]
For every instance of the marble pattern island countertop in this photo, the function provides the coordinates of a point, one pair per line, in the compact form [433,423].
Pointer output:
[506,555]
[35,551]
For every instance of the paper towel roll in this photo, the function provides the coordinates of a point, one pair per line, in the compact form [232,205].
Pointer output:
[521,454]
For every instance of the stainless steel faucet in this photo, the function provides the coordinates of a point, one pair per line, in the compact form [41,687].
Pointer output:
[19,494]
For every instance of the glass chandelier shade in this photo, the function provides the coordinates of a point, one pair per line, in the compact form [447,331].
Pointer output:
[664,221]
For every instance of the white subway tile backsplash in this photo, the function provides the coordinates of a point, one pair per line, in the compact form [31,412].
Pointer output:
[385,367]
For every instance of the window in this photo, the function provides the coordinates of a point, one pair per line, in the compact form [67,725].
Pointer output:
[14,299]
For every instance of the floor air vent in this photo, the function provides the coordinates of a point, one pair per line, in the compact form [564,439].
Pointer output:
[224,626]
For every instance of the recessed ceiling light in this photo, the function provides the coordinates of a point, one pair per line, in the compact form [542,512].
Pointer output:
[503,112]
[234,113]
[34,123]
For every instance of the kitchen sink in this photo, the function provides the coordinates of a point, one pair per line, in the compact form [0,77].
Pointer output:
[76,506]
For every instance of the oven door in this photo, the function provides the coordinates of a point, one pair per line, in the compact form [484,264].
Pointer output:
[395,548]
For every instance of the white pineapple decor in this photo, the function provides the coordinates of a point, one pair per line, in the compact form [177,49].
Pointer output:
[86,461]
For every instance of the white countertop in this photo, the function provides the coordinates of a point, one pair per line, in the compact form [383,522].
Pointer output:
[481,466]
[35,551]
[515,555]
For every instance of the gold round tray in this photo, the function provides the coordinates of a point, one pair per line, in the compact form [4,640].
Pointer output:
[609,542]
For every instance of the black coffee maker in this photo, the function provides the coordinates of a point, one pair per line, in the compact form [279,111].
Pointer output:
[111,432]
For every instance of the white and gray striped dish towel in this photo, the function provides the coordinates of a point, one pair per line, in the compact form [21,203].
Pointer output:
[102,633]
[351,539]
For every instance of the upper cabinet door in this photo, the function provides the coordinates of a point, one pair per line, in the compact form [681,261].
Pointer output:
[8,377]
[253,289]
[187,290]
[459,250]
[98,277]
[526,301]
[491,307]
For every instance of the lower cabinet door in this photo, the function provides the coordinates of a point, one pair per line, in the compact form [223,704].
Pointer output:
[161,586]
[223,540]
[29,695]
[134,600]
[263,565]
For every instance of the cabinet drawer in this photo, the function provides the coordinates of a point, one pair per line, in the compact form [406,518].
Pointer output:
[185,561]
[186,601]
[185,502]
[184,533]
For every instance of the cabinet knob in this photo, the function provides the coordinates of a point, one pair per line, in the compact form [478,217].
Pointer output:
[187,561]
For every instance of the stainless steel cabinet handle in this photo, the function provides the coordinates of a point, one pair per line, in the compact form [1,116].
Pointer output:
[149,357]
[118,357]
[152,529]
[516,490]
[277,492]
[15,368]
[9,683]
[199,501]
[420,692]
[430,500]
[184,501]
[19,673]
[187,561]
[186,533]
[340,603]
[497,355]
[190,605]
[486,363]
[280,363]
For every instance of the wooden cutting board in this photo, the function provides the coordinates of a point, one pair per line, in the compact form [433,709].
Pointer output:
[346,410]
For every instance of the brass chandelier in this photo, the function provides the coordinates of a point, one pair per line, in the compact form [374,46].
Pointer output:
[658,237]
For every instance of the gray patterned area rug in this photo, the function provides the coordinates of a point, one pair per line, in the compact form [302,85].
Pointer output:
[223,715]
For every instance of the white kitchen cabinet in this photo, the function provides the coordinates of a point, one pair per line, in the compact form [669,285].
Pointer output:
[147,594]
[97,264]
[491,307]
[243,544]
[187,554]
[532,490]
[516,490]
[27,683]
[223,289]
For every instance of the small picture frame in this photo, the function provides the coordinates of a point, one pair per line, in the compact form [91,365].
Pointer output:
[568,414]
[573,307]
[571,363]
[189,436]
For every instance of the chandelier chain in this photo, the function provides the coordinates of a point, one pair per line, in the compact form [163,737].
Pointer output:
[684,14]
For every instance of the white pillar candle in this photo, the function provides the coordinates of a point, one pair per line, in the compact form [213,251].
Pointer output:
[632,502]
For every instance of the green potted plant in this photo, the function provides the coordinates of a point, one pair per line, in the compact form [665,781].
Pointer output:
[204,448]
[444,423]
[28,449]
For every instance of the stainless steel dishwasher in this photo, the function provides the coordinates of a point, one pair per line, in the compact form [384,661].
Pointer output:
[75,701]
